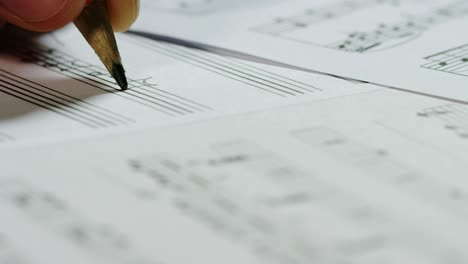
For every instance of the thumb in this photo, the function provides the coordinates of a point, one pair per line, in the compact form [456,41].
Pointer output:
[40,15]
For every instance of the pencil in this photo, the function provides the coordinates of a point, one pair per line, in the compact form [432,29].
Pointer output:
[94,25]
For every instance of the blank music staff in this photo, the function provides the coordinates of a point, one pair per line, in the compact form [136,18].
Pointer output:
[141,91]
[453,61]
[58,102]
[236,70]
[453,116]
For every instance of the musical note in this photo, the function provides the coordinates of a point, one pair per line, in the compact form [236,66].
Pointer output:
[309,17]
[56,215]
[9,254]
[5,137]
[383,35]
[453,61]
[356,154]
[453,116]
[390,35]
[381,166]
[196,7]
[280,216]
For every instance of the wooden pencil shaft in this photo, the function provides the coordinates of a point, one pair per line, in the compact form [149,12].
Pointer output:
[95,26]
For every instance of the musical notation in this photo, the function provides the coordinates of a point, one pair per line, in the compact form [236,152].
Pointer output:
[9,254]
[187,6]
[279,217]
[141,91]
[56,215]
[375,35]
[309,17]
[358,155]
[195,7]
[65,88]
[195,194]
[453,116]
[394,34]
[453,61]
[5,137]
[381,166]
[257,78]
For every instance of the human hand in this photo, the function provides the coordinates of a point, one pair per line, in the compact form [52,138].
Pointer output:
[48,15]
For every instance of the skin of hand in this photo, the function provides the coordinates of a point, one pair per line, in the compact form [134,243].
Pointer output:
[48,15]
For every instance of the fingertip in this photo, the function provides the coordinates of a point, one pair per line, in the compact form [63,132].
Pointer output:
[123,13]
[58,18]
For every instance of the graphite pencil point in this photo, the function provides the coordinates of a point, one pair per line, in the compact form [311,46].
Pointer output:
[118,72]
[93,23]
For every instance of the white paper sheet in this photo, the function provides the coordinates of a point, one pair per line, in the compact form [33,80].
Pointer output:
[410,44]
[373,178]
[55,87]
[208,159]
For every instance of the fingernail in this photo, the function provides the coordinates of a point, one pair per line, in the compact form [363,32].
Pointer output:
[34,10]
[136,12]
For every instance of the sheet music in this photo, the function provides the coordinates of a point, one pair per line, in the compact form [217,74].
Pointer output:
[361,39]
[327,181]
[199,7]
[56,87]
[213,159]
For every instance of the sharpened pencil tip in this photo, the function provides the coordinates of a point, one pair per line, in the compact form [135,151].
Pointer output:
[118,73]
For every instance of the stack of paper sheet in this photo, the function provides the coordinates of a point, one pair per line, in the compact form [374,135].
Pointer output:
[252,132]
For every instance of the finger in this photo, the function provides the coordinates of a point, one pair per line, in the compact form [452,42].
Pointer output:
[123,13]
[40,15]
